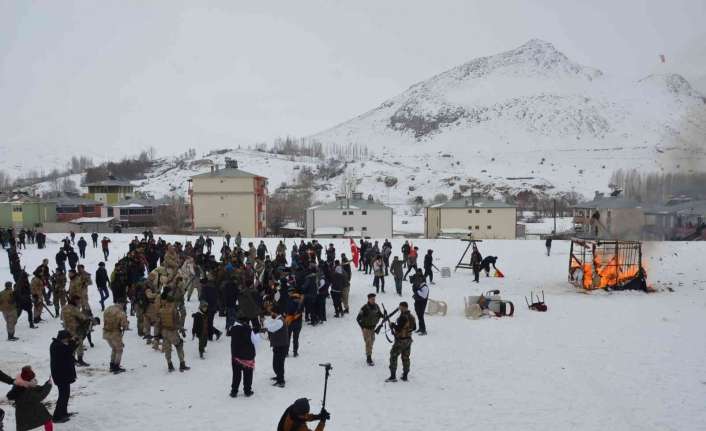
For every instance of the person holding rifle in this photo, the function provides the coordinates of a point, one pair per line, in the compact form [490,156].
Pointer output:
[402,330]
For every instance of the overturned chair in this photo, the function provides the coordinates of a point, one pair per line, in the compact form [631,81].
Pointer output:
[488,304]
[436,307]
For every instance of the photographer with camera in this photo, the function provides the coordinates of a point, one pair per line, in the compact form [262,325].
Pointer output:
[297,415]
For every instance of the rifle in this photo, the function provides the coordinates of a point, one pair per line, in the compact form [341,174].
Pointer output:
[44,304]
[385,319]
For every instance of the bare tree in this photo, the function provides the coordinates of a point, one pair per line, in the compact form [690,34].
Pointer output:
[173,216]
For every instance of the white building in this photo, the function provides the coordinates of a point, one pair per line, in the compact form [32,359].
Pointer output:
[353,217]
[461,217]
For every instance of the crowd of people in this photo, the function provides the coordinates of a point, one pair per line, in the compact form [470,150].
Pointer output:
[257,291]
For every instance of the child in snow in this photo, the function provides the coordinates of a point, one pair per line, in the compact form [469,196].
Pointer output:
[30,413]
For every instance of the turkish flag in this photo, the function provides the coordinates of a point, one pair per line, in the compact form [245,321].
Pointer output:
[355,252]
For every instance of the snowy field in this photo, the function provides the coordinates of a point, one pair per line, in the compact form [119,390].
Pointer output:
[613,361]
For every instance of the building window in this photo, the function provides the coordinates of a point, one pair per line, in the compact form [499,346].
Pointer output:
[470,211]
[345,213]
[477,211]
[490,211]
[17,209]
[350,228]
[364,228]
[221,197]
[470,227]
[477,227]
[351,213]
[365,213]
[490,227]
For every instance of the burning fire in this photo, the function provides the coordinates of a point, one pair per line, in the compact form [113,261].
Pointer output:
[600,276]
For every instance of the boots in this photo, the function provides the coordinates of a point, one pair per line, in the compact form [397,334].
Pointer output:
[404,376]
[233,393]
[183,367]
[170,366]
[11,337]
[369,361]
[81,363]
[116,368]
[392,377]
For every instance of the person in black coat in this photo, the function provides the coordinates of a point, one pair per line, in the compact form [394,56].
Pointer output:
[63,372]
[242,351]
[72,258]
[82,247]
[102,283]
[209,293]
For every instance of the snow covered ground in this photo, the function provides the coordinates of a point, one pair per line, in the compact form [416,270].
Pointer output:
[618,361]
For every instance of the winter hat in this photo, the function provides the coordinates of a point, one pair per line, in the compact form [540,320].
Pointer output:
[300,407]
[63,335]
[28,375]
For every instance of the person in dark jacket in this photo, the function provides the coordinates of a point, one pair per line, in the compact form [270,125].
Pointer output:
[548,244]
[242,352]
[209,293]
[30,413]
[487,262]
[72,257]
[102,283]
[82,247]
[200,327]
[279,340]
[476,259]
[297,415]
[295,303]
[4,378]
[63,372]
[60,259]
[94,238]
[428,265]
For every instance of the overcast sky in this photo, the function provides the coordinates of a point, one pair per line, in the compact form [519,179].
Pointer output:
[101,75]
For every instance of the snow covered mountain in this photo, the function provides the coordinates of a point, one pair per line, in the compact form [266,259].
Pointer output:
[531,117]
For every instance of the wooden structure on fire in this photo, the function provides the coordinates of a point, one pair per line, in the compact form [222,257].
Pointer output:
[606,264]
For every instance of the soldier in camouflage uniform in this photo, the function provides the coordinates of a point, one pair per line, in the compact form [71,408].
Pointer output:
[114,324]
[402,331]
[77,323]
[168,323]
[36,286]
[86,281]
[151,316]
[58,289]
[8,307]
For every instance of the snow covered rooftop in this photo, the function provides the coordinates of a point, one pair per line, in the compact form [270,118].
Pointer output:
[609,202]
[83,220]
[353,204]
[120,183]
[469,203]
[226,173]
[329,230]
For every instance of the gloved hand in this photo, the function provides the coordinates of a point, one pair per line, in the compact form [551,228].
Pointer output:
[324,415]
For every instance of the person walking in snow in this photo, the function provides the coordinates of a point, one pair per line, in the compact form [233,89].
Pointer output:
[421,295]
[279,341]
[105,243]
[82,244]
[368,318]
[548,244]
[242,351]
[428,265]
[94,239]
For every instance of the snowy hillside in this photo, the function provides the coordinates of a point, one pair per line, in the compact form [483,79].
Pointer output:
[531,115]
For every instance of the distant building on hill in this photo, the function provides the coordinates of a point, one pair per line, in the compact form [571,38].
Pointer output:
[353,217]
[110,191]
[464,216]
[229,200]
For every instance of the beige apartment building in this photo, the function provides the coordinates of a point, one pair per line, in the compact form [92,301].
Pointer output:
[229,200]
[482,219]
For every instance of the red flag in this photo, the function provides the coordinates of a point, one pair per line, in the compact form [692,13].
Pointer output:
[355,252]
